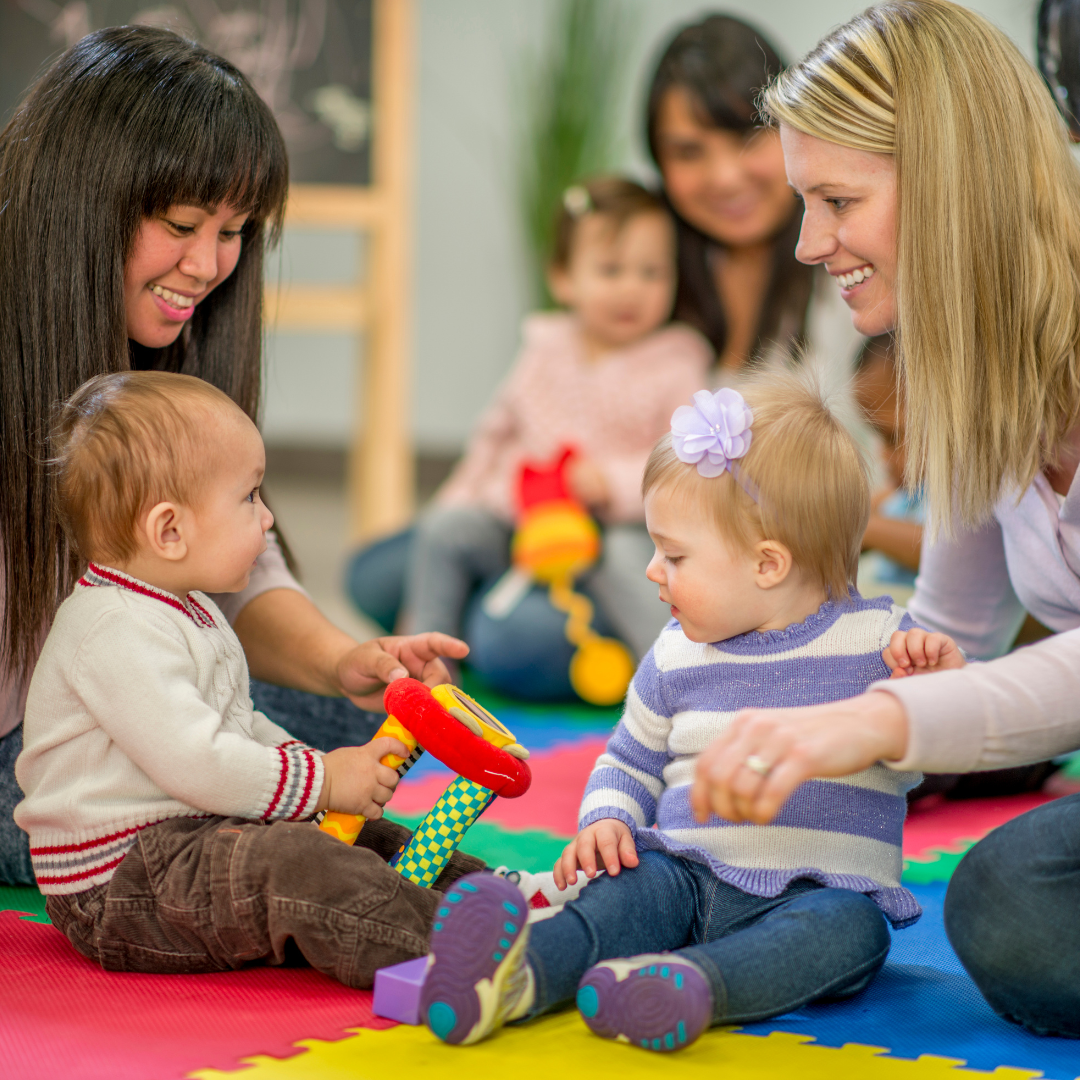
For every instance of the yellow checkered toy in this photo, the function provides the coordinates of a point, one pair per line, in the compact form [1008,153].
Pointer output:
[462,734]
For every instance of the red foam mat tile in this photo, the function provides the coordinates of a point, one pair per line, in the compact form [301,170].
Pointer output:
[942,824]
[62,1017]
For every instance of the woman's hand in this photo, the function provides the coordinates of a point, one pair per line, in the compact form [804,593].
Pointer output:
[609,838]
[919,652]
[364,670]
[749,772]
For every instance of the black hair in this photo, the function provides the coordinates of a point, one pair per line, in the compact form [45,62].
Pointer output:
[127,122]
[723,64]
[1058,45]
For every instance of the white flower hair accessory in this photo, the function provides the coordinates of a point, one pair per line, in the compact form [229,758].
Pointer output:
[577,201]
[712,432]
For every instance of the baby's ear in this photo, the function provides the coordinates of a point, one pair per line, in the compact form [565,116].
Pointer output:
[772,563]
[164,531]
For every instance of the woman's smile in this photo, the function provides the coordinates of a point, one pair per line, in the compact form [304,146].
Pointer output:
[850,280]
[173,305]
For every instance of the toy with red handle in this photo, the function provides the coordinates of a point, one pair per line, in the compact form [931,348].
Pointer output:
[462,734]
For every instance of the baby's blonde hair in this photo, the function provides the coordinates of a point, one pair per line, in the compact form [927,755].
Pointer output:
[803,481]
[124,442]
[988,244]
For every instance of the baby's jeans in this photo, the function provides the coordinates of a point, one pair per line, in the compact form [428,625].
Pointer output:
[763,956]
[197,895]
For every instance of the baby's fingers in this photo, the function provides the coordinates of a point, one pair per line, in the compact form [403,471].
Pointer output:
[898,647]
[628,850]
[608,843]
[565,871]
[586,853]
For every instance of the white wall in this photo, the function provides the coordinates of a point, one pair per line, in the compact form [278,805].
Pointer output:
[470,278]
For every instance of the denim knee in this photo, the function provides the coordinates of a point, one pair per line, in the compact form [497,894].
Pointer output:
[1010,914]
[375,578]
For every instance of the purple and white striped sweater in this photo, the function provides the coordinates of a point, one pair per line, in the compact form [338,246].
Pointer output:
[844,832]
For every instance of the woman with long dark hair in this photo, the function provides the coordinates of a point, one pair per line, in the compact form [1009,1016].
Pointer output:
[738,221]
[141,179]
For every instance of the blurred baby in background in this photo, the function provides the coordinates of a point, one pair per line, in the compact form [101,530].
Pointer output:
[893,536]
[601,377]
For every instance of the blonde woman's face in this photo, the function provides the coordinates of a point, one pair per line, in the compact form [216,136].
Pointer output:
[849,222]
[730,186]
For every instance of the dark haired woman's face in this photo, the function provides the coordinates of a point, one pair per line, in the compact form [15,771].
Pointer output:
[177,260]
[732,187]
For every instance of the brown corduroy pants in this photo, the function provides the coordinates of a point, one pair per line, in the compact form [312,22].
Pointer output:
[201,895]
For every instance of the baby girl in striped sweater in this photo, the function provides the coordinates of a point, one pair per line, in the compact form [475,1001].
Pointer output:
[756,507]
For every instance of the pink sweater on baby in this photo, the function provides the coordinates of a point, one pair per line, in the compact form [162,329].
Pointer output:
[612,409]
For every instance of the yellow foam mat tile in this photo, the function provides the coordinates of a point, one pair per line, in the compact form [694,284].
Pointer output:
[562,1044]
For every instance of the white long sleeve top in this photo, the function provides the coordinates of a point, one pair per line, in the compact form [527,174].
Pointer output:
[976,587]
[139,711]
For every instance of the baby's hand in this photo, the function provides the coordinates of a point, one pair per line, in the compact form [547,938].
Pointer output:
[610,838]
[918,652]
[354,781]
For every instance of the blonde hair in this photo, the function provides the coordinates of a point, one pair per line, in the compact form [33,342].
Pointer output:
[988,244]
[803,481]
[126,441]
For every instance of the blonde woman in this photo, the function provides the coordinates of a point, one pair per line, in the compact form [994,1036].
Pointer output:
[940,194]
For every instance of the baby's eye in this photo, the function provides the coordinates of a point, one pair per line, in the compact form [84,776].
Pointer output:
[673,559]
[251,495]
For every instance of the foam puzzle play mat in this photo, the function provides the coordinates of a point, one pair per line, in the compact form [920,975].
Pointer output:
[62,1018]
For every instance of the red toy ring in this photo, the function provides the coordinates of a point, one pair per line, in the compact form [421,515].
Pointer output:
[446,738]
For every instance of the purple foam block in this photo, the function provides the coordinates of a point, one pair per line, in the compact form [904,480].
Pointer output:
[397,991]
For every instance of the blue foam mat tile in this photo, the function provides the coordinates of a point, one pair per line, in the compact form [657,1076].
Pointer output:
[923,1002]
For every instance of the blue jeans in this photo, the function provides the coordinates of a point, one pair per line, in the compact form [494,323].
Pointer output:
[1012,913]
[15,868]
[323,722]
[763,956]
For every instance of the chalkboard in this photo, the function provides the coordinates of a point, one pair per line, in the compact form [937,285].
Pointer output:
[309,59]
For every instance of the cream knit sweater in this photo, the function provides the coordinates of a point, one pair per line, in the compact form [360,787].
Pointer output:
[139,711]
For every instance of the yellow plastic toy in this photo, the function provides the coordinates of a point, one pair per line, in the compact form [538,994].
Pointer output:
[556,541]
[462,734]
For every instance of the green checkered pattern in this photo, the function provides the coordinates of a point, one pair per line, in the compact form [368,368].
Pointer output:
[437,837]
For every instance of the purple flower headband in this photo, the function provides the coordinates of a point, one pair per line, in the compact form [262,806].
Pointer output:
[712,432]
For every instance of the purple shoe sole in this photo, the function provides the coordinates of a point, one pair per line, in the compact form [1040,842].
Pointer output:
[663,1004]
[477,926]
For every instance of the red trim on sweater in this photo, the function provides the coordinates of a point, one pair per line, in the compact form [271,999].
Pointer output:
[92,872]
[281,784]
[66,849]
[129,583]
[201,610]
[307,784]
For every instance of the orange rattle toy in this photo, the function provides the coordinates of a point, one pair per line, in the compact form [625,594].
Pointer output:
[555,542]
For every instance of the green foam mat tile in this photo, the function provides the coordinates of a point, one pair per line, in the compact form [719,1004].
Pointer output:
[934,865]
[24,898]
[532,849]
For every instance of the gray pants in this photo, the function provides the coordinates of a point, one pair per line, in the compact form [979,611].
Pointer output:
[457,550]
